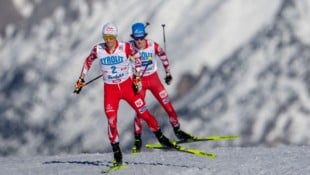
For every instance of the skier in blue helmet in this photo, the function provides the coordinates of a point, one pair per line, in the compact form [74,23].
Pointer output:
[148,50]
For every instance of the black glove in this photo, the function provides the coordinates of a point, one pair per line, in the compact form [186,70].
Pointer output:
[79,85]
[168,79]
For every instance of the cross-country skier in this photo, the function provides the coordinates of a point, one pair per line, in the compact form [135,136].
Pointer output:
[118,84]
[148,50]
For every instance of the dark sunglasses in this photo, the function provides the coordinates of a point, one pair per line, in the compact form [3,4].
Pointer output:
[139,38]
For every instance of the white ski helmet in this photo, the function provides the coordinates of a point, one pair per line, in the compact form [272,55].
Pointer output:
[109,29]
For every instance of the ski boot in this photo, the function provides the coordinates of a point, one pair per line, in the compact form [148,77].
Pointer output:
[118,158]
[164,140]
[181,135]
[138,144]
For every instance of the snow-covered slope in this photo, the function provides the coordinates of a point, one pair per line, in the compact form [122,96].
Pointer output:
[232,161]
[257,86]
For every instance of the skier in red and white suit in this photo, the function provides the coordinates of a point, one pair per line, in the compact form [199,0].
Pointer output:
[114,61]
[148,50]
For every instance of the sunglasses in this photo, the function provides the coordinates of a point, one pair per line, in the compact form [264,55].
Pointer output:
[109,37]
[139,38]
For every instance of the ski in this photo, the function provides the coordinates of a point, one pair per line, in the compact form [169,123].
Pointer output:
[183,149]
[114,168]
[208,138]
[200,139]
[193,139]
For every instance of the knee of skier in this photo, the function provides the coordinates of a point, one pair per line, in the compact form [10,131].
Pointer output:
[112,119]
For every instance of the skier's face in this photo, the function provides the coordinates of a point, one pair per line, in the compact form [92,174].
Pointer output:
[110,40]
[140,43]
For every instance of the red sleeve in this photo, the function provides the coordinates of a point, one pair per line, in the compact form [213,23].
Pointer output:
[162,56]
[89,60]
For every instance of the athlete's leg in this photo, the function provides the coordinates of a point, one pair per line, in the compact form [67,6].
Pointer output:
[159,92]
[111,104]
[138,128]
[138,120]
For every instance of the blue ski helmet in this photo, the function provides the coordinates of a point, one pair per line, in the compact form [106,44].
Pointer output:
[138,30]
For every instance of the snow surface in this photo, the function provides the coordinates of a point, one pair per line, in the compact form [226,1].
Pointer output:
[230,161]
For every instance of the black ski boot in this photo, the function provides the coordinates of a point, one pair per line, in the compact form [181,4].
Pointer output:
[181,135]
[118,158]
[163,139]
[138,144]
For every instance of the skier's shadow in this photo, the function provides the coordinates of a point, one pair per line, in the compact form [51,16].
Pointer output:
[87,163]
[91,163]
[109,163]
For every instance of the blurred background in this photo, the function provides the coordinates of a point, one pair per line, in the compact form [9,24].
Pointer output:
[239,68]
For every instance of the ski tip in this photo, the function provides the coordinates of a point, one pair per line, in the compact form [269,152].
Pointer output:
[211,155]
[115,168]
[206,154]
[228,137]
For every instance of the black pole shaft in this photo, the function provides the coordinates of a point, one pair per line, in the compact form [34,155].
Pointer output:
[164,36]
[93,79]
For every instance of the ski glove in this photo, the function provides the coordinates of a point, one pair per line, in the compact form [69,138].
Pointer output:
[168,79]
[79,85]
[137,85]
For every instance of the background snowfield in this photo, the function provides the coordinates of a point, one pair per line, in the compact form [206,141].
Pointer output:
[247,65]
[282,160]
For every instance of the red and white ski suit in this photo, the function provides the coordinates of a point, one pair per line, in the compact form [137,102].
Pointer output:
[117,72]
[151,81]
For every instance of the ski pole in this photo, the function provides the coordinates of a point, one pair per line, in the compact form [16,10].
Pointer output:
[93,80]
[168,77]
[79,88]
[164,36]
[149,61]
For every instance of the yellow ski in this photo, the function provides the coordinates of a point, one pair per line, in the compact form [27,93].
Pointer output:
[208,138]
[183,149]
